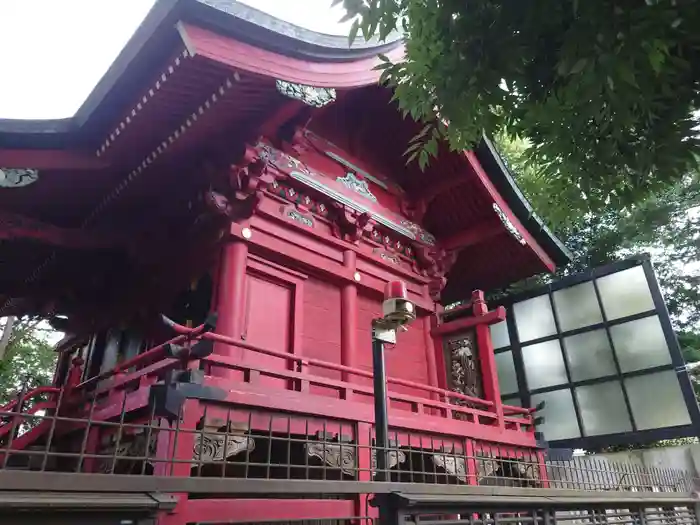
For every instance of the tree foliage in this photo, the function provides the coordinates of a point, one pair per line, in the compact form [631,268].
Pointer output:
[604,89]
[666,223]
[29,359]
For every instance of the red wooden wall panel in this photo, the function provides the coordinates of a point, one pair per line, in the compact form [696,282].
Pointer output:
[321,329]
[267,324]
[406,360]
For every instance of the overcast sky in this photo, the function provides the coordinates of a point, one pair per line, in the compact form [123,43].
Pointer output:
[55,51]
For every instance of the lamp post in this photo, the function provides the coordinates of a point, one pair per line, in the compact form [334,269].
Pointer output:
[397,312]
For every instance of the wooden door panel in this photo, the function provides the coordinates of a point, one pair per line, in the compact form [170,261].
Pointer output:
[268,318]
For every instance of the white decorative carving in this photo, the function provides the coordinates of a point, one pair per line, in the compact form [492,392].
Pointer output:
[342,456]
[217,446]
[17,177]
[394,457]
[313,96]
[357,185]
[300,218]
[389,257]
[418,232]
[456,466]
[509,225]
[453,465]
[335,455]
[129,447]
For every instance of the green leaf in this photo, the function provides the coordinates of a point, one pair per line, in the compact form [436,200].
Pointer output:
[656,59]
[626,74]
[423,132]
[412,147]
[578,66]
[354,28]
[611,83]
[432,146]
[423,159]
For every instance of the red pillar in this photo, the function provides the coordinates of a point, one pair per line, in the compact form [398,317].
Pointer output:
[487,360]
[430,351]
[348,318]
[231,296]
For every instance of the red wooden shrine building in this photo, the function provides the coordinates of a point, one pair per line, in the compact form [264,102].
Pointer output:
[230,163]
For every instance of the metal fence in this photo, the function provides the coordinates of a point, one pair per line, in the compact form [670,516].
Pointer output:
[556,509]
[131,436]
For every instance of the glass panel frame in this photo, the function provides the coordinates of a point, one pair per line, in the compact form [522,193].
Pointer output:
[616,369]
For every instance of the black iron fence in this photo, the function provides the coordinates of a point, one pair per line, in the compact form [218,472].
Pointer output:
[138,435]
[428,509]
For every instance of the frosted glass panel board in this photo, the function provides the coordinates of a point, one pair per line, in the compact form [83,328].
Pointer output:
[534,318]
[589,355]
[506,373]
[603,409]
[577,307]
[600,350]
[640,344]
[499,335]
[559,415]
[625,293]
[544,365]
[657,400]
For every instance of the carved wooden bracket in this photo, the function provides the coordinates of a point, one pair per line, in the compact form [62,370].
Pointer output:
[457,466]
[413,209]
[348,224]
[123,455]
[217,442]
[490,470]
[218,203]
[335,455]
[298,142]
[248,179]
[394,458]
[434,263]
[342,455]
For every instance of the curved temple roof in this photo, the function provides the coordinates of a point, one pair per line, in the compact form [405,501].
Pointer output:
[144,51]
[174,64]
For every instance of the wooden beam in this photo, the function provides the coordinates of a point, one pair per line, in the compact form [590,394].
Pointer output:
[459,325]
[475,235]
[278,118]
[18,227]
[45,159]
[443,186]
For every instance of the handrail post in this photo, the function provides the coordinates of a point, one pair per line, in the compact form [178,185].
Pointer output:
[487,358]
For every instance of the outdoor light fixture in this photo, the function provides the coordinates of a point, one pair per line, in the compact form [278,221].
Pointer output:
[397,312]
[396,309]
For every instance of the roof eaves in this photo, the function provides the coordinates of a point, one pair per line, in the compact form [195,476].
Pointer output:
[501,177]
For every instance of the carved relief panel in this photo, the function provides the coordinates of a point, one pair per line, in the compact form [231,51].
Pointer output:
[462,361]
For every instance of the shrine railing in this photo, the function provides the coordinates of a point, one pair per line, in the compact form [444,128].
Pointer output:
[291,372]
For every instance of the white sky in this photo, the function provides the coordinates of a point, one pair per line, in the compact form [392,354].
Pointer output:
[57,50]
